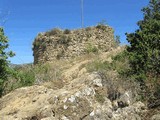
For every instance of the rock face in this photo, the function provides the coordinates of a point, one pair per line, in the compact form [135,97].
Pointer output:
[156,117]
[84,98]
[58,44]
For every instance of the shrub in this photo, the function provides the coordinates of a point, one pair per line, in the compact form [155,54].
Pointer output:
[102,25]
[60,54]
[120,63]
[88,29]
[100,98]
[36,44]
[64,40]
[27,78]
[55,31]
[27,75]
[67,31]
[91,49]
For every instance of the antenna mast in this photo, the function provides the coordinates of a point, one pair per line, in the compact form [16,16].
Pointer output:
[82,15]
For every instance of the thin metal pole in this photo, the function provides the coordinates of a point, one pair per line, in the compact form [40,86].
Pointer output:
[82,14]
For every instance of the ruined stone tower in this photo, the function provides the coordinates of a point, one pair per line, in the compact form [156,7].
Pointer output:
[66,44]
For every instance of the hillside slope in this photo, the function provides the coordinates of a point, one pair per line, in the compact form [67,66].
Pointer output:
[79,95]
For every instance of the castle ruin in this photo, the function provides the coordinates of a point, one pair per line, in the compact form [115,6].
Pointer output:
[66,44]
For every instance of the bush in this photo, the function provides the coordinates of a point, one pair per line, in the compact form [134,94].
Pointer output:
[60,54]
[28,75]
[91,49]
[120,63]
[64,40]
[100,98]
[24,75]
[27,78]
[88,29]
[36,44]
[55,31]
[102,25]
[67,31]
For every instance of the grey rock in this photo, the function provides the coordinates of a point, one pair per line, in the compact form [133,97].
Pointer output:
[155,117]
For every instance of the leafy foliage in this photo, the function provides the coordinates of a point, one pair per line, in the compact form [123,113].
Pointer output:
[4,63]
[144,52]
[144,49]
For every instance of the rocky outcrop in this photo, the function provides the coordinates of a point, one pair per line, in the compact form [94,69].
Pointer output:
[84,98]
[59,44]
[155,117]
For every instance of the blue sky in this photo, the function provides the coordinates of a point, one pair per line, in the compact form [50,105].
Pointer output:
[26,18]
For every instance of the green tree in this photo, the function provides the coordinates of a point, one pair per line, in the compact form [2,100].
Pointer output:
[144,49]
[4,63]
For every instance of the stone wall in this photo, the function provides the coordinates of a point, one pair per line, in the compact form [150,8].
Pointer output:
[66,44]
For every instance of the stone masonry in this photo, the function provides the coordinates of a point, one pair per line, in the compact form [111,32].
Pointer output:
[66,44]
